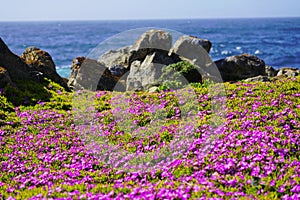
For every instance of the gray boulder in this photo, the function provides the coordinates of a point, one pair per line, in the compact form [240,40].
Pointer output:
[154,39]
[289,72]
[144,74]
[190,46]
[195,51]
[240,67]
[149,54]
[150,42]
[92,75]
[117,61]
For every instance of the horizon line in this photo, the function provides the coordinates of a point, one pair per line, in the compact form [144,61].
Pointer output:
[149,19]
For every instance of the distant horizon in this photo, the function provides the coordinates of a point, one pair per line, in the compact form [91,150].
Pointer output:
[152,19]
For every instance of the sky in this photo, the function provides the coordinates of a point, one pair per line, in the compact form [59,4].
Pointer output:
[53,10]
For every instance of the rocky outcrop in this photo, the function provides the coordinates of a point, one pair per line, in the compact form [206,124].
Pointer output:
[41,63]
[37,58]
[151,61]
[15,66]
[34,65]
[153,51]
[153,42]
[150,53]
[240,67]
[139,67]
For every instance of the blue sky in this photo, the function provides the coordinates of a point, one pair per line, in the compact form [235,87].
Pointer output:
[38,10]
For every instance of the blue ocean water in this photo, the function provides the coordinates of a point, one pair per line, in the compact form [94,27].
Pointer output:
[275,40]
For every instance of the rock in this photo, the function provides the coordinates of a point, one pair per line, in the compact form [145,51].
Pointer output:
[240,67]
[117,70]
[15,66]
[34,65]
[4,78]
[144,74]
[76,63]
[117,61]
[258,79]
[150,42]
[270,71]
[35,58]
[162,56]
[92,75]
[41,63]
[289,72]
[154,39]
[194,50]
[150,53]
[190,45]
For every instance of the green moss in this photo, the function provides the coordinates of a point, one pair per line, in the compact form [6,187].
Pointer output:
[30,93]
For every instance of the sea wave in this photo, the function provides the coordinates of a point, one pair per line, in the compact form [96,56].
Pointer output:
[64,70]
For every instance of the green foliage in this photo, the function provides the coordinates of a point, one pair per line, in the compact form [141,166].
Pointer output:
[184,68]
[182,171]
[179,75]
[30,93]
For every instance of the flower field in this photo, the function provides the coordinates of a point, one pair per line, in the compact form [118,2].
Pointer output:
[254,153]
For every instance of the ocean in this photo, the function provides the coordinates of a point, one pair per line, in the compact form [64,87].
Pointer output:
[275,40]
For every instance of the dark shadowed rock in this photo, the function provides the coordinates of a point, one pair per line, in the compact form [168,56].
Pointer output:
[4,78]
[118,70]
[270,71]
[15,66]
[241,67]
[40,61]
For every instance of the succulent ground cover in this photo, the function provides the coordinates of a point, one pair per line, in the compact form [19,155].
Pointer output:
[255,154]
